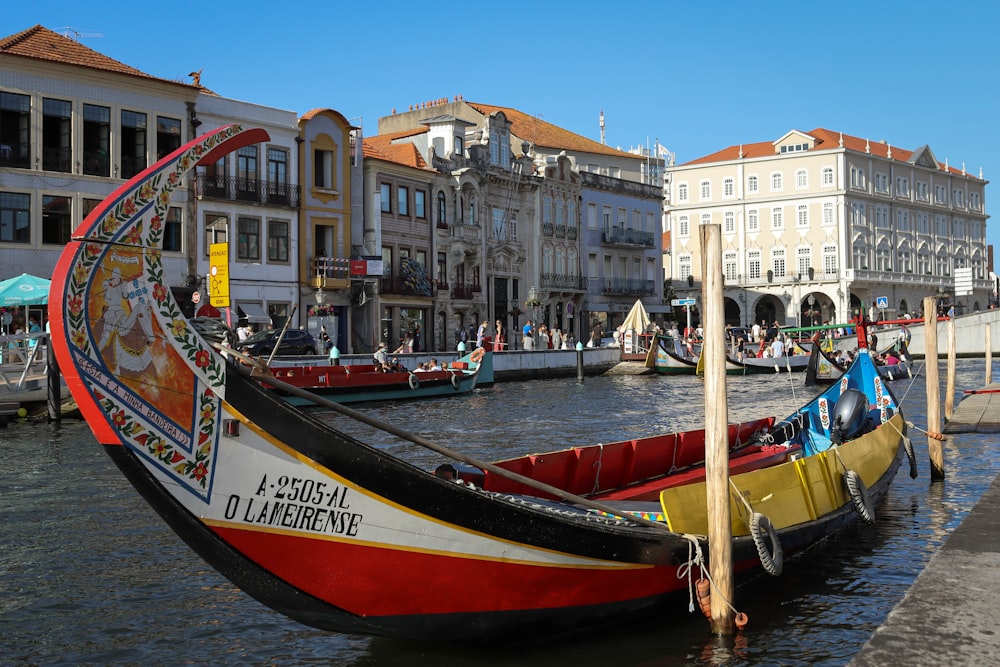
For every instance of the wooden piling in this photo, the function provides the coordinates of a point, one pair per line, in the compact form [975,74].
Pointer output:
[720,533]
[53,384]
[989,355]
[934,449]
[949,384]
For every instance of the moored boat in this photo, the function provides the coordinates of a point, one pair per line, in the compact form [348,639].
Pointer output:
[341,535]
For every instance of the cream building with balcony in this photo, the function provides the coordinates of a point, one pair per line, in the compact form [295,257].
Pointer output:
[816,225]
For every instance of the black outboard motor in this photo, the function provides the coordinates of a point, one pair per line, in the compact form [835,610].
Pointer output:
[849,416]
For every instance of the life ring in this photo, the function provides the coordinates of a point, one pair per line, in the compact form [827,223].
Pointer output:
[860,497]
[477,354]
[414,381]
[456,381]
[762,532]
[908,448]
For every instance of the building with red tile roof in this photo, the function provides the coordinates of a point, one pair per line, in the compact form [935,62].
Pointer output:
[818,225]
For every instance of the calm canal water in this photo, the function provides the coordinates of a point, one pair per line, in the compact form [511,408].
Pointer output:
[89,574]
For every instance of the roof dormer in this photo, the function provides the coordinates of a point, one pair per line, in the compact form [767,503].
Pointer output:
[794,142]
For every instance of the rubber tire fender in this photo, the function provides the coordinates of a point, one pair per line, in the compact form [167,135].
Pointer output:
[456,381]
[908,448]
[762,531]
[414,381]
[860,497]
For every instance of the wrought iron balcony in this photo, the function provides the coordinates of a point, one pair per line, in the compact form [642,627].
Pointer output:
[233,188]
[559,281]
[466,291]
[56,159]
[627,237]
[629,287]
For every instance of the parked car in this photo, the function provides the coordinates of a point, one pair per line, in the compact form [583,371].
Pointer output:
[213,330]
[295,342]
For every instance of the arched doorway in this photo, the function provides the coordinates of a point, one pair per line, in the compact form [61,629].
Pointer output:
[732,312]
[769,309]
[816,309]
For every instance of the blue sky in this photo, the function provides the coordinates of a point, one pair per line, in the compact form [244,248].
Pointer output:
[697,76]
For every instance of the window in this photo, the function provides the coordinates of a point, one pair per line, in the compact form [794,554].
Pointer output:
[958,197]
[499,233]
[778,262]
[277,241]
[827,176]
[560,212]
[858,179]
[683,267]
[168,136]
[56,225]
[15,217]
[385,192]
[133,143]
[776,182]
[459,146]
[921,190]
[794,148]
[706,218]
[882,183]
[216,227]
[828,213]
[753,264]
[571,214]
[729,222]
[881,217]
[419,204]
[277,169]
[923,223]
[753,220]
[15,123]
[172,230]
[96,140]
[729,265]
[57,142]
[547,210]
[442,269]
[323,169]
[802,215]
[975,203]
[728,188]
[705,190]
[777,218]
[683,226]
[801,179]
[803,262]
[246,173]
[941,225]
[830,260]
[248,239]
[902,221]
[902,187]
[402,200]
[940,194]
[441,209]
[591,216]
[682,192]
[753,186]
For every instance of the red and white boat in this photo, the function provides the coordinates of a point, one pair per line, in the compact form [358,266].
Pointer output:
[343,536]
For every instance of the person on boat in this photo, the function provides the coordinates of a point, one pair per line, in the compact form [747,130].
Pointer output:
[755,332]
[778,347]
[435,365]
[406,345]
[890,358]
[394,365]
[381,360]
[422,367]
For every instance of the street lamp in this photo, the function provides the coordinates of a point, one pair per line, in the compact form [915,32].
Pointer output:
[812,311]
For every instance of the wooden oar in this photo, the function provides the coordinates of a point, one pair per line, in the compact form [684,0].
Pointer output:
[424,442]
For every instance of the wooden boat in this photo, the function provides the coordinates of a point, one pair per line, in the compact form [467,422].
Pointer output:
[669,356]
[365,382]
[795,363]
[341,535]
[823,367]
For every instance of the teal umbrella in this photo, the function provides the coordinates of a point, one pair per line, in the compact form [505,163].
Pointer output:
[24,290]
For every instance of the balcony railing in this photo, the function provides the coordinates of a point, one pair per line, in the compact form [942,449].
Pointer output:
[56,159]
[398,285]
[629,286]
[632,237]
[559,281]
[253,190]
[463,232]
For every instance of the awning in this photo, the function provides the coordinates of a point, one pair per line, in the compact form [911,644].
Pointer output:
[253,314]
[659,309]
[598,307]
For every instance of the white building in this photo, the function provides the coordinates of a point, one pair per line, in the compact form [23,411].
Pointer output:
[817,225]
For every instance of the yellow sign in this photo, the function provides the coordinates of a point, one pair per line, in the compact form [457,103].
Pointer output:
[218,275]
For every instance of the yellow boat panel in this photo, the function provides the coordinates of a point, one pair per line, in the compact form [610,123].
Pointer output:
[789,493]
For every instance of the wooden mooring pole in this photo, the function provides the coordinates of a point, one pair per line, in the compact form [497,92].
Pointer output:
[934,449]
[53,384]
[720,531]
[949,384]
